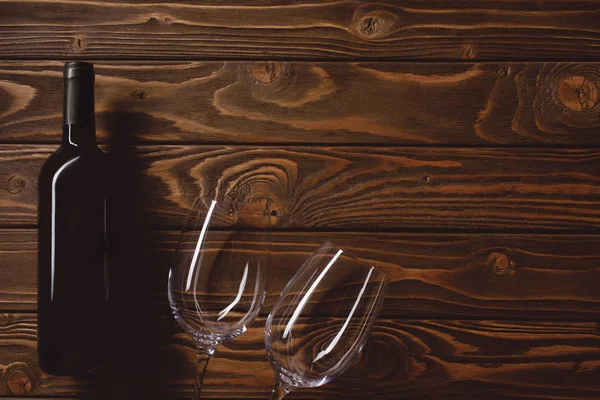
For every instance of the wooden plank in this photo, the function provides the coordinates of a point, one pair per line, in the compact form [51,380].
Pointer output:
[432,276]
[18,268]
[299,102]
[468,30]
[403,359]
[341,187]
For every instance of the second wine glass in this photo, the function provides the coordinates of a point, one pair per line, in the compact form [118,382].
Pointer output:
[322,319]
[217,283]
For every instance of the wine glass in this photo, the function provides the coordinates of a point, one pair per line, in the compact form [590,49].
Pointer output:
[217,283]
[322,319]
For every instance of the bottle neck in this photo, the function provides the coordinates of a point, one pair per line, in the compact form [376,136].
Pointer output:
[79,127]
[80,136]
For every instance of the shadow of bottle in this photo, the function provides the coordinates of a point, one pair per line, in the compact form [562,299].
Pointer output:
[138,364]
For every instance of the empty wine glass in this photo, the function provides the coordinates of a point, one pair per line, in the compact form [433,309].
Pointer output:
[217,284]
[322,319]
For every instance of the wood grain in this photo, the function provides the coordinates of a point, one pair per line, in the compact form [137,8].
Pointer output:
[468,30]
[432,276]
[342,187]
[298,102]
[472,181]
[403,359]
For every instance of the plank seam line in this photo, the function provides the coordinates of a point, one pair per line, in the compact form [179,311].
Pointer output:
[550,146]
[333,59]
[590,232]
[408,317]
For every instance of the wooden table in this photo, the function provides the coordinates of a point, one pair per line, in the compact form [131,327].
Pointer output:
[455,146]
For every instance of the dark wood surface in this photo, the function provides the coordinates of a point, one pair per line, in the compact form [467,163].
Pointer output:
[432,276]
[345,187]
[485,104]
[453,144]
[386,29]
[405,359]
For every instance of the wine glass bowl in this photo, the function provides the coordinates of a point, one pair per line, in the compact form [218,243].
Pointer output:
[322,319]
[217,283]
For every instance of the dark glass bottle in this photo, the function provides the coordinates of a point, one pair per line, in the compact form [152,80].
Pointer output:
[72,237]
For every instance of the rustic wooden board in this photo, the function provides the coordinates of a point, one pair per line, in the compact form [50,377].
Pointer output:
[300,102]
[503,142]
[432,276]
[341,187]
[403,359]
[414,29]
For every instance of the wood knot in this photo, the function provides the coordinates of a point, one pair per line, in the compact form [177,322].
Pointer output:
[504,71]
[426,179]
[468,52]
[139,95]
[501,264]
[578,93]
[19,378]
[160,20]
[267,72]
[369,26]
[15,185]
[5,319]
[566,101]
[375,24]
[258,212]
[78,44]
[266,77]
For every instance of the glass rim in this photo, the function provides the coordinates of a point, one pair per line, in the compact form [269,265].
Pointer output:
[354,257]
[198,203]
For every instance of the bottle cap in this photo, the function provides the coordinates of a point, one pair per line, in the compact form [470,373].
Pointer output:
[78,70]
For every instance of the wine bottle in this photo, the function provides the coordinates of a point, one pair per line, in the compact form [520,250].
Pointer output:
[72,237]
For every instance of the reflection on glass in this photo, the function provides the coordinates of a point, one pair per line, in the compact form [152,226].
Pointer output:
[217,284]
[322,319]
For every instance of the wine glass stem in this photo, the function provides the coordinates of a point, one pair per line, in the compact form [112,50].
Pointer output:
[279,391]
[203,358]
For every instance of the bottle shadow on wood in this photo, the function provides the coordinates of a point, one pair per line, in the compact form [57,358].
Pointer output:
[139,363]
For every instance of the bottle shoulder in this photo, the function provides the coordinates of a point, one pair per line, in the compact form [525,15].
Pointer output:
[66,158]
[56,160]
